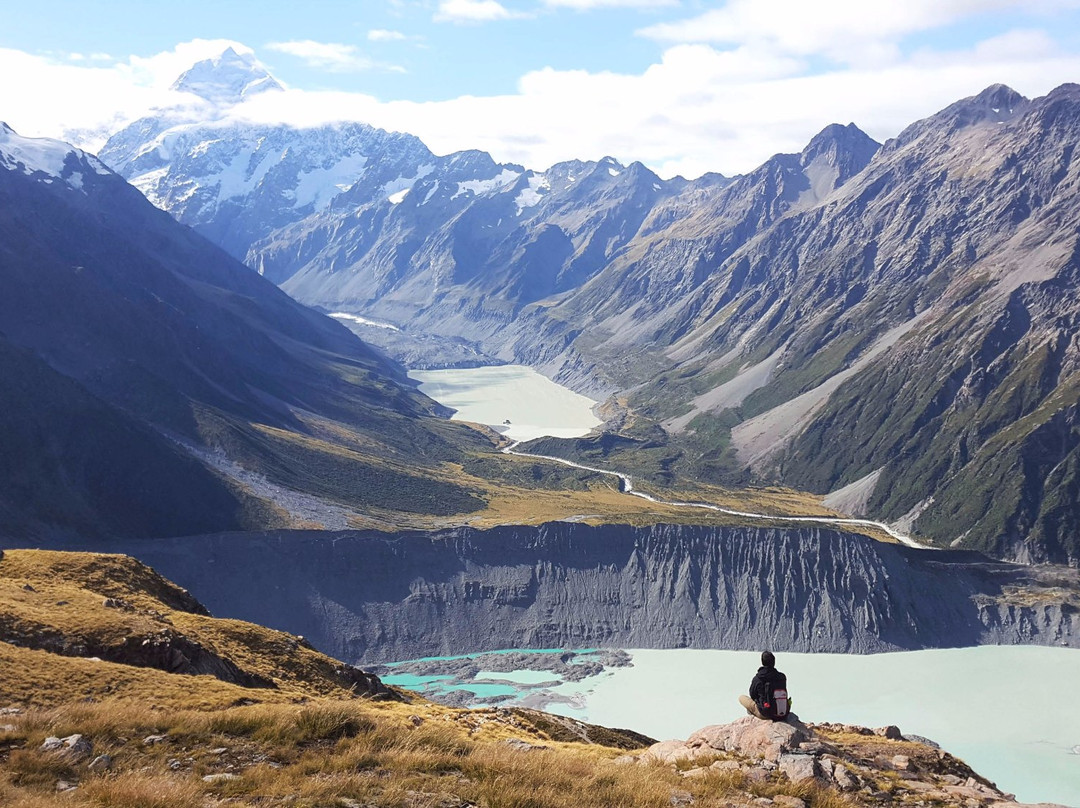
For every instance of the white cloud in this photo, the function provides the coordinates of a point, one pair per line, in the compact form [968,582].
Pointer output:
[332,56]
[94,99]
[463,11]
[845,30]
[588,5]
[162,69]
[383,35]
[699,108]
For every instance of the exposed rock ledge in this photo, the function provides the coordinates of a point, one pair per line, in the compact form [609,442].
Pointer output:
[879,767]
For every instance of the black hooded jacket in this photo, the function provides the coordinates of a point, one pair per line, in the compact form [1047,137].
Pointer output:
[765,681]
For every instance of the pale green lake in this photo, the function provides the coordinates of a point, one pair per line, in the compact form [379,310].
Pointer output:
[991,706]
[534,405]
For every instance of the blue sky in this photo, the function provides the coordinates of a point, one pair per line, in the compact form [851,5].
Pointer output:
[416,53]
[685,86]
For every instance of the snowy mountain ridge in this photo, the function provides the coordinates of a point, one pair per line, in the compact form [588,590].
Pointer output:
[245,185]
[236,180]
[53,158]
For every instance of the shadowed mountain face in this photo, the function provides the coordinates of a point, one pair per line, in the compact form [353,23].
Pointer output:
[894,326]
[75,464]
[118,326]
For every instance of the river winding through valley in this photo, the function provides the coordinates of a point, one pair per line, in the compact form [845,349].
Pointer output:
[626,486]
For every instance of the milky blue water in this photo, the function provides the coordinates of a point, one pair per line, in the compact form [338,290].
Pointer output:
[514,399]
[985,705]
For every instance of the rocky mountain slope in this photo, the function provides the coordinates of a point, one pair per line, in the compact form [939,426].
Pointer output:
[370,596]
[910,333]
[144,361]
[356,219]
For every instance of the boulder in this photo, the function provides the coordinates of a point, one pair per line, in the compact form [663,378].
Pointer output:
[680,798]
[752,737]
[799,767]
[102,763]
[670,752]
[725,765]
[845,780]
[224,777]
[73,748]
[891,732]
[523,746]
[784,801]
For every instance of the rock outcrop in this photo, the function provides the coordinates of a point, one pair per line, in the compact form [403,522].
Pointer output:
[877,767]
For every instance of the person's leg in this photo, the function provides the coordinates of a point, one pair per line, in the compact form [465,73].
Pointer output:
[750,707]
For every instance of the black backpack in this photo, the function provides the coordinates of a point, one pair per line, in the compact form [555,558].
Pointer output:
[774,704]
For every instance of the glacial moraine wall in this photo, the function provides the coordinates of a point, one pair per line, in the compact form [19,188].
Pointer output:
[365,596]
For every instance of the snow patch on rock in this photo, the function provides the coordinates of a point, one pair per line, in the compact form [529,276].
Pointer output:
[479,187]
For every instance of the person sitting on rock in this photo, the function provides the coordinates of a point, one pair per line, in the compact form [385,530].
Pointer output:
[768,699]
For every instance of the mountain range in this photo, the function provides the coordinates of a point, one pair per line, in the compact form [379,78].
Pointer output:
[154,386]
[891,326]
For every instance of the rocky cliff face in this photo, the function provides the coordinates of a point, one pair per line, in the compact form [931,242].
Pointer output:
[377,597]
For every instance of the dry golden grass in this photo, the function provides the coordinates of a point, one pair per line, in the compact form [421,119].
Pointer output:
[106,575]
[508,504]
[143,790]
[600,503]
[321,753]
[57,598]
[38,678]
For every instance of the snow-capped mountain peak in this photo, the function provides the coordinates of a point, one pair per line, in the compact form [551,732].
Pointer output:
[227,79]
[53,158]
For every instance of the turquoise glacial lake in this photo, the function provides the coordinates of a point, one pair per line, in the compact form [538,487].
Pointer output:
[989,706]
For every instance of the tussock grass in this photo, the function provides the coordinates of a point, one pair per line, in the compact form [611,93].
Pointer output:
[322,752]
[55,601]
[33,769]
[143,790]
[330,722]
[18,798]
